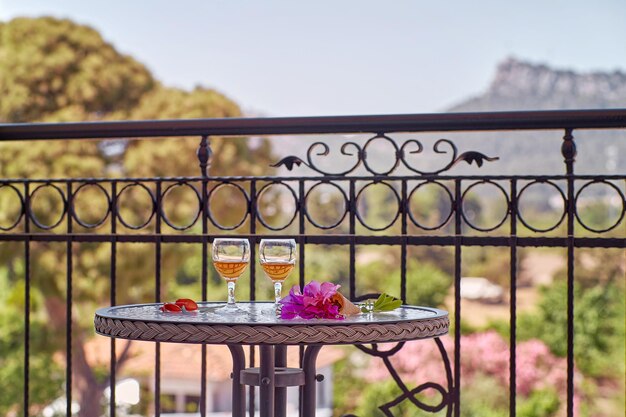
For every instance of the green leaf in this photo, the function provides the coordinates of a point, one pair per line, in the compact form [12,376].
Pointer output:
[385,302]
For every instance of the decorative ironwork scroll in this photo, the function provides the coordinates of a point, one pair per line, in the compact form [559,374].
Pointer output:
[446,394]
[360,155]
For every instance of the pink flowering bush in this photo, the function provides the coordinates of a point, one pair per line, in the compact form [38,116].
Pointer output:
[482,355]
[316,301]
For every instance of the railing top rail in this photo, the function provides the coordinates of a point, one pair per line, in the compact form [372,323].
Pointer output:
[518,120]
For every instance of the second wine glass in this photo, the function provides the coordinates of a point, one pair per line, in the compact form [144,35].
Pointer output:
[278,258]
[230,259]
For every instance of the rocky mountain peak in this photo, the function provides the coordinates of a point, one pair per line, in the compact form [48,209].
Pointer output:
[520,85]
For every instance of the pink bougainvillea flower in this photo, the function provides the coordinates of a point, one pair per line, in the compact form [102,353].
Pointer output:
[292,304]
[484,354]
[315,301]
[321,311]
[318,293]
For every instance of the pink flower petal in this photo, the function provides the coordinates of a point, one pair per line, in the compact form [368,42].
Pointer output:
[314,301]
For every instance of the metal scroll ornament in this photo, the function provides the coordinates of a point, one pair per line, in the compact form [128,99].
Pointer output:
[445,395]
[359,154]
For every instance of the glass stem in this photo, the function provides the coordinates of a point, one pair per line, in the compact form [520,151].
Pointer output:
[231,293]
[278,287]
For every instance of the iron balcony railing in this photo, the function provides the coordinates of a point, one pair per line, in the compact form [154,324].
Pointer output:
[455,230]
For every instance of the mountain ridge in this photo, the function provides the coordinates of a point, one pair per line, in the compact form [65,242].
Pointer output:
[521,85]
[517,85]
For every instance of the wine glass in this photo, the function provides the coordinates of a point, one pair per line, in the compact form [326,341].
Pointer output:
[278,258]
[230,259]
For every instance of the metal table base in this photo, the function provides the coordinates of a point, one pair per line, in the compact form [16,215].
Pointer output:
[273,377]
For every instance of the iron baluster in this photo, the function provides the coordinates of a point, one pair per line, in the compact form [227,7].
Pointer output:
[204,159]
[568,150]
[458,232]
[68,308]
[113,299]
[27,290]
[513,300]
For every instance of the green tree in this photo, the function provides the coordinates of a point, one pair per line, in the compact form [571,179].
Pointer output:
[42,366]
[231,156]
[599,309]
[540,403]
[55,70]
[598,326]
[426,284]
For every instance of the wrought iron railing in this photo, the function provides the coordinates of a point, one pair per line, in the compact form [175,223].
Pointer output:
[402,178]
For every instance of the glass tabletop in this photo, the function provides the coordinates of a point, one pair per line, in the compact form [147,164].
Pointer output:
[258,313]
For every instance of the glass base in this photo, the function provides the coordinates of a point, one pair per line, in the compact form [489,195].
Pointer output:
[227,309]
[272,310]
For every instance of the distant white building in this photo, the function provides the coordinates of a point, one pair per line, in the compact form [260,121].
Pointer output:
[481,289]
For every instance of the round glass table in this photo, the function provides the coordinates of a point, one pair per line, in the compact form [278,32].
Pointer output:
[256,324]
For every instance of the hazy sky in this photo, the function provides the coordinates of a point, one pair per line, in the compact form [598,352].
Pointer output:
[321,57]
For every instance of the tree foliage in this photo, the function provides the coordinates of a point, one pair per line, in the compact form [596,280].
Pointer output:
[598,326]
[426,284]
[55,70]
[231,156]
[599,308]
[42,366]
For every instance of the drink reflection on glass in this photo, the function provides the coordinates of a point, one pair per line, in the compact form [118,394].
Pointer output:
[230,259]
[278,258]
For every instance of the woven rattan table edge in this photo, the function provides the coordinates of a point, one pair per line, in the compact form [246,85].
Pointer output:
[300,334]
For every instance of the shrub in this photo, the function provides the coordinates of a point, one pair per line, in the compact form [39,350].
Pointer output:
[540,403]
[483,355]
[427,285]
[598,326]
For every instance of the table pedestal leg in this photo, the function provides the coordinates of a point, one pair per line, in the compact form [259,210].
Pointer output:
[280,393]
[267,375]
[239,393]
[308,397]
